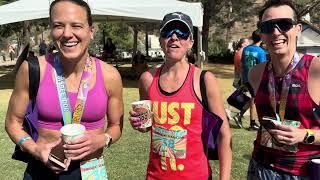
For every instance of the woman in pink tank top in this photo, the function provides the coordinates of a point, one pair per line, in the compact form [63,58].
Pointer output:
[176,148]
[71,32]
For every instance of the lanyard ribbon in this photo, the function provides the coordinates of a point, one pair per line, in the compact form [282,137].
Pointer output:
[65,107]
[285,87]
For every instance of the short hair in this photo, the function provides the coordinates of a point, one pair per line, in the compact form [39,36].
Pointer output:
[255,36]
[277,3]
[80,3]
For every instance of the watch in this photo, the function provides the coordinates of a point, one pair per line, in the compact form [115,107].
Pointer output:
[309,138]
[108,140]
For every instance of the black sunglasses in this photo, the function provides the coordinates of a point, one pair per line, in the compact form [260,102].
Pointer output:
[180,34]
[282,24]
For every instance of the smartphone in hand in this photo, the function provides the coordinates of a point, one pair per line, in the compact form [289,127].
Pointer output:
[269,122]
[57,156]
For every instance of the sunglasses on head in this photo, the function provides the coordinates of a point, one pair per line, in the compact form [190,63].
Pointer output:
[282,24]
[180,34]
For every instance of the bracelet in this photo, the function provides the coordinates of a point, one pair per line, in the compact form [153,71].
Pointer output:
[24,138]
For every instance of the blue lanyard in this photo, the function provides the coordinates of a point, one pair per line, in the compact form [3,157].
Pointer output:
[62,91]
[63,96]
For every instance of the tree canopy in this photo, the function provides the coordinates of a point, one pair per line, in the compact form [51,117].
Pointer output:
[220,17]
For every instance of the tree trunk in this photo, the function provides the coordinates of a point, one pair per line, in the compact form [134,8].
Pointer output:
[24,41]
[208,7]
[228,21]
[205,27]
[135,40]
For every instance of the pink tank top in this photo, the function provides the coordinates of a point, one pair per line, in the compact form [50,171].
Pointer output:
[49,113]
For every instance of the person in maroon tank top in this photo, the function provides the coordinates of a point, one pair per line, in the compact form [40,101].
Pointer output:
[287,90]
[176,148]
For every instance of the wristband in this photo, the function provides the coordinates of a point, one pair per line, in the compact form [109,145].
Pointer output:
[24,138]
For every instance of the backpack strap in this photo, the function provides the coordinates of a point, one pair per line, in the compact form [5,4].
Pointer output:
[203,90]
[34,78]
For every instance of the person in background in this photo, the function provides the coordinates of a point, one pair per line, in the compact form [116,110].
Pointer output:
[251,56]
[71,32]
[139,65]
[174,89]
[109,49]
[286,89]
[11,51]
[243,42]
[3,54]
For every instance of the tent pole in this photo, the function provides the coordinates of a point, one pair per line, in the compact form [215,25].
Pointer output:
[147,41]
[200,54]
[135,41]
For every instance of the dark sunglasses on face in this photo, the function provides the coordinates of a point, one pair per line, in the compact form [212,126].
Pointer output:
[282,24]
[180,34]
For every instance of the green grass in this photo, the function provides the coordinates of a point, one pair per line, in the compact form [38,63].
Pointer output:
[128,158]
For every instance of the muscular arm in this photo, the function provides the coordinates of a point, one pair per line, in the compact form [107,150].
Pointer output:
[314,89]
[224,138]
[113,83]
[145,81]
[17,107]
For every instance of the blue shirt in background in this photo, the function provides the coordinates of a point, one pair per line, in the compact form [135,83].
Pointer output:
[251,56]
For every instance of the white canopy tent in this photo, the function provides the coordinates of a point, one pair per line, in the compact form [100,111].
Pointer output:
[110,10]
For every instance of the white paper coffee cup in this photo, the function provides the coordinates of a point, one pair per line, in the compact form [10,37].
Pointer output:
[143,108]
[72,131]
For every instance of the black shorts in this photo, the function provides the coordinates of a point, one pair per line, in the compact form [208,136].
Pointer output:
[36,170]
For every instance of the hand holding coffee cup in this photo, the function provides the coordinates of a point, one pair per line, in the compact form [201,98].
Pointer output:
[71,132]
[143,114]
[134,120]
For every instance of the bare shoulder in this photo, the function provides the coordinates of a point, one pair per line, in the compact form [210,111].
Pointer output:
[146,77]
[209,77]
[109,72]
[210,81]
[23,71]
[313,82]
[255,75]
[257,70]
[21,85]
[145,82]
[315,67]
[112,78]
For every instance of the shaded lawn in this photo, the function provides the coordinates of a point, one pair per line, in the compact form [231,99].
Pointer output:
[128,158]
